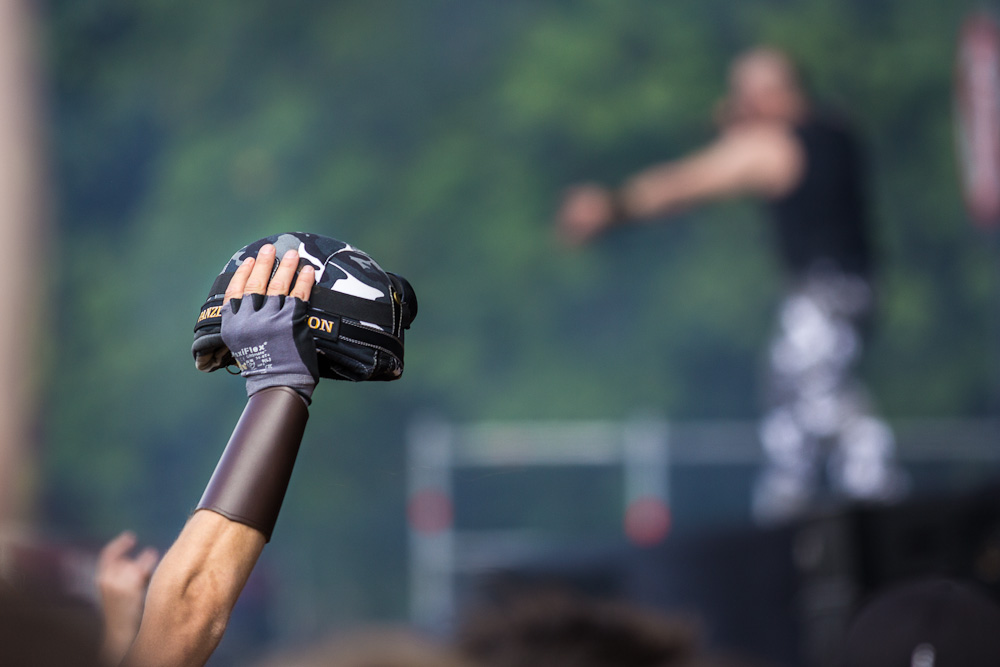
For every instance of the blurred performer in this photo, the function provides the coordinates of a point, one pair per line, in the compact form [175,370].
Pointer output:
[809,171]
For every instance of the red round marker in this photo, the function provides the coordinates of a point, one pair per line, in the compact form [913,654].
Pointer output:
[647,521]
[430,511]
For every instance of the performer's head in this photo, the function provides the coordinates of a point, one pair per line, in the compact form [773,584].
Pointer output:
[764,84]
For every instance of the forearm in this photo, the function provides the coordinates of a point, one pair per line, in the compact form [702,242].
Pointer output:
[116,640]
[764,161]
[719,171]
[122,581]
[194,590]
[114,644]
[658,191]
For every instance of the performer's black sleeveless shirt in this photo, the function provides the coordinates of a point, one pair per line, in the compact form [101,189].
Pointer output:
[825,219]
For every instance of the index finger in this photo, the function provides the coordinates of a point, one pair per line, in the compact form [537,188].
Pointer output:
[282,278]
[239,280]
[117,548]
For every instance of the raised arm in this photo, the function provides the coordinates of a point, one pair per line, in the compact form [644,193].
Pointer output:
[122,580]
[196,585]
[759,159]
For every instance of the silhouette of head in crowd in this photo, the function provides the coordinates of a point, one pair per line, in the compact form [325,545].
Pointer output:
[926,623]
[46,633]
[561,630]
[371,648]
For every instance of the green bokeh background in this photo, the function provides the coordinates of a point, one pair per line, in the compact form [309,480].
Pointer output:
[437,136]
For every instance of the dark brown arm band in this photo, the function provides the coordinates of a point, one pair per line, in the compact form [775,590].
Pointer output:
[250,481]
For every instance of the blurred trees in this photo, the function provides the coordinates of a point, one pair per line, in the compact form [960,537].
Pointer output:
[437,137]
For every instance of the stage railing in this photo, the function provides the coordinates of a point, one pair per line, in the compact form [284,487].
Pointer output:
[647,452]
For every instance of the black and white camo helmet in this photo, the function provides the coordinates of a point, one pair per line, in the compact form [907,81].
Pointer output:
[357,311]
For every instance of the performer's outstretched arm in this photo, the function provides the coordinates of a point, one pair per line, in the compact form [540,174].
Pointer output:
[763,159]
[198,581]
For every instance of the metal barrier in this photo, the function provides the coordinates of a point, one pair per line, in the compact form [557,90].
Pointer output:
[645,450]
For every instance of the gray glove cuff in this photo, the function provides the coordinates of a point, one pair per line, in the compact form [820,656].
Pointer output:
[271,343]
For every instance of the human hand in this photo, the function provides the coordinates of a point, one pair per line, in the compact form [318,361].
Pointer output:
[266,332]
[586,211]
[121,582]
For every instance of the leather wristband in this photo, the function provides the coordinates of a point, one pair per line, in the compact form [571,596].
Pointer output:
[250,481]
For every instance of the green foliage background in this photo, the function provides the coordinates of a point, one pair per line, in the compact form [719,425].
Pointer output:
[437,135]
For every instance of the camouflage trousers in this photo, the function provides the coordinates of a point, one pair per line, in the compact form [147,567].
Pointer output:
[820,437]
